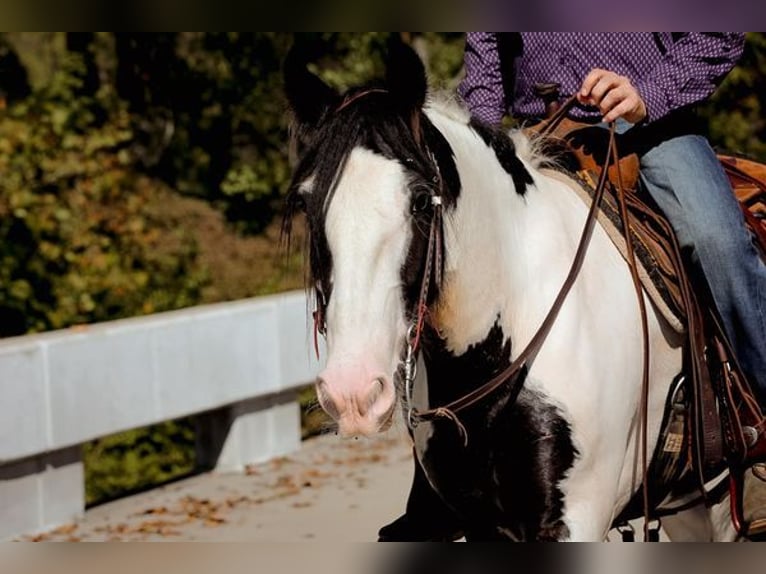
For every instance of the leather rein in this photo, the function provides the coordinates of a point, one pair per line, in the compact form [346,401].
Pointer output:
[432,272]
[511,374]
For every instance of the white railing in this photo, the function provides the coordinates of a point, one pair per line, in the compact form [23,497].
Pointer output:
[238,365]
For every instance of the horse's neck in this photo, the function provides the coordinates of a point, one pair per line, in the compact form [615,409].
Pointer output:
[506,254]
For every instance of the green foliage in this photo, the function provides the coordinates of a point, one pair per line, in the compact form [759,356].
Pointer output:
[443,53]
[736,113]
[136,459]
[79,240]
[346,59]
[230,137]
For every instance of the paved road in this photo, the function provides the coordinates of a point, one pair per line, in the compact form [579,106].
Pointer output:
[331,490]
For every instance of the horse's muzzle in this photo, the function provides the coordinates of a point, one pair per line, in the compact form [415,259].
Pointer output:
[358,409]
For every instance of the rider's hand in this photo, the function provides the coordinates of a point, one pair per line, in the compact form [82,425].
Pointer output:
[614,96]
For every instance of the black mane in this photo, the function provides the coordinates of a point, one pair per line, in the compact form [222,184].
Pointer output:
[505,152]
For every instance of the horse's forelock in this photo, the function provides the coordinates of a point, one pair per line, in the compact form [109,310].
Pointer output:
[369,118]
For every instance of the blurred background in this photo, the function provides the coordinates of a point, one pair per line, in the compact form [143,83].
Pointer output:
[145,172]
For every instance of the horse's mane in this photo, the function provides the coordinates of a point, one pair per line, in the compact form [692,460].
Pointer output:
[529,147]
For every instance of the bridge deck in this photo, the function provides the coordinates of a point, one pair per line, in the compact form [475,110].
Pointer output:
[332,489]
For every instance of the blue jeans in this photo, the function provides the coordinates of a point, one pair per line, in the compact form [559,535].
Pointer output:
[686,180]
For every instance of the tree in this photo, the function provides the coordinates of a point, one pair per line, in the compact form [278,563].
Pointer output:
[79,238]
[735,114]
[14,84]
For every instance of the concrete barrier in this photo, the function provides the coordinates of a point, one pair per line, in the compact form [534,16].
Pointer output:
[237,364]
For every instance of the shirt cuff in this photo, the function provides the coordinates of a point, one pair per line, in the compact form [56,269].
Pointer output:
[654,99]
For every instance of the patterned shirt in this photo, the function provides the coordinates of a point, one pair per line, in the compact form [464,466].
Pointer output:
[669,71]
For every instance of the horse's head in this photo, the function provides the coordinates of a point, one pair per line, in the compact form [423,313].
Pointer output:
[370,163]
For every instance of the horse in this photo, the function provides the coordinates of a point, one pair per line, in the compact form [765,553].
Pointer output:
[430,232]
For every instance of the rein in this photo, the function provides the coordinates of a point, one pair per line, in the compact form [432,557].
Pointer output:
[527,356]
[512,373]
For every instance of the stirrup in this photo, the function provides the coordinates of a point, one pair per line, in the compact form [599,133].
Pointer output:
[627,532]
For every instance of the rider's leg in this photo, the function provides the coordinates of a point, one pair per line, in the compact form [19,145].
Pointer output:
[685,178]
[426,518]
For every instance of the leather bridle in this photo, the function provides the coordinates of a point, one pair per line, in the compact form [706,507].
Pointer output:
[432,271]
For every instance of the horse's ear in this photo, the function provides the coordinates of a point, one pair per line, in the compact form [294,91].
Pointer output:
[405,75]
[309,97]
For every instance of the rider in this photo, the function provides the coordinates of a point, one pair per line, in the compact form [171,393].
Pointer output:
[649,83]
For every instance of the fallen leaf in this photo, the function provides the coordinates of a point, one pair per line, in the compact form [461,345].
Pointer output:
[65,529]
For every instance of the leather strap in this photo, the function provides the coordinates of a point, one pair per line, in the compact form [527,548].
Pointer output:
[644,407]
[527,356]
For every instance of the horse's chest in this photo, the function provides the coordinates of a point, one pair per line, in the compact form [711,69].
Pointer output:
[505,482]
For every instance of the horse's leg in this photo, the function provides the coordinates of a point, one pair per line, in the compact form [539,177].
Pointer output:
[588,520]
[594,490]
[700,524]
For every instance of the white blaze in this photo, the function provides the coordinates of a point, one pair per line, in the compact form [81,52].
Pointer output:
[368,233]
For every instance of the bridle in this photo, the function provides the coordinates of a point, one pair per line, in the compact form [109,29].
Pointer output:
[512,374]
[432,274]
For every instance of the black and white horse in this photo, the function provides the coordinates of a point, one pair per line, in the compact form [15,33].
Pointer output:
[560,459]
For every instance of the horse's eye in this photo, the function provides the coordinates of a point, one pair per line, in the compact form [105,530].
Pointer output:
[421,202]
[298,202]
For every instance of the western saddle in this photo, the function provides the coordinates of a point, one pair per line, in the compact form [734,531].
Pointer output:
[713,422]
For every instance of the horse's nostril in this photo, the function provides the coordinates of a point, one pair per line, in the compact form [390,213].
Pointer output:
[374,392]
[378,386]
[327,402]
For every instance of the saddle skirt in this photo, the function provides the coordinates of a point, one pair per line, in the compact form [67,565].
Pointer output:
[578,148]
[651,243]
[709,434]
[748,179]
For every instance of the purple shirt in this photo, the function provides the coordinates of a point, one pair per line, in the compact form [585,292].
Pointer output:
[668,72]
